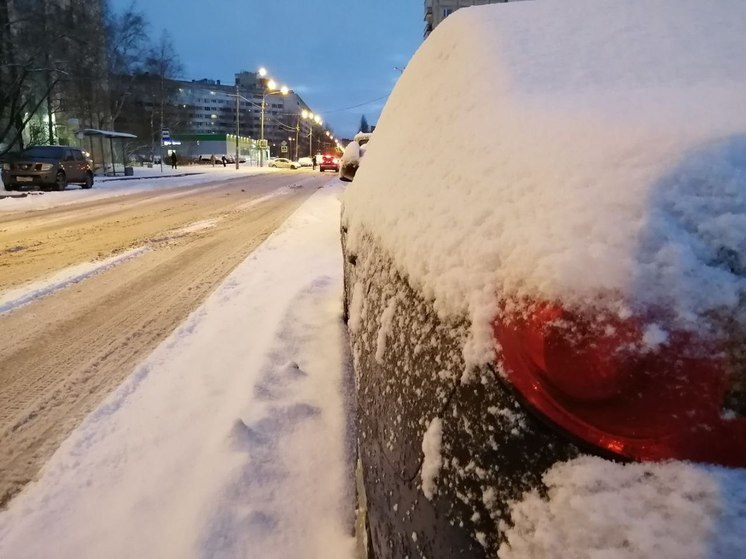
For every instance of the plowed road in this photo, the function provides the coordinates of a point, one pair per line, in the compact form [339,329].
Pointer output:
[61,354]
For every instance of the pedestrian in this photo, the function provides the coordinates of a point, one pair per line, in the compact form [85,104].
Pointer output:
[313,159]
[174,160]
[224,160]
[212,159]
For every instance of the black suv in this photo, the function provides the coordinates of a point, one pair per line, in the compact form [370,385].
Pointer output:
[48,167]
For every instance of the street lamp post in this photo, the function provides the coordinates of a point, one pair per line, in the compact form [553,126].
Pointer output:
[313,119]
[271,90]
[238,97]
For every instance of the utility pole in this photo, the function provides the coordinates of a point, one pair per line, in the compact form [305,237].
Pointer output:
[297,136]
[261,135]
[237,128]
[161,141]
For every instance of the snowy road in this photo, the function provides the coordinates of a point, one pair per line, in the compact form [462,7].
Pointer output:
[89,289]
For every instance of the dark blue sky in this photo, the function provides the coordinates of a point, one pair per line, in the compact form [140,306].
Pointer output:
[335,53]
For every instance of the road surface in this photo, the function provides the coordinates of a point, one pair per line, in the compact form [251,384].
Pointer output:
[60,355]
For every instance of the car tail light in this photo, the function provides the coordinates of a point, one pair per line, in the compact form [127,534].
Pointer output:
[626,386]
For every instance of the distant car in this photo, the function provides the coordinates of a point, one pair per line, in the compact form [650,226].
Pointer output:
[352,156]
[282,163]
[306,162]
[48,167]
[562,318]
[329,162]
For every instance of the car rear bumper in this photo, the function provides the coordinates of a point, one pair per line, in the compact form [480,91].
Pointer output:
[334,168]
[28,178]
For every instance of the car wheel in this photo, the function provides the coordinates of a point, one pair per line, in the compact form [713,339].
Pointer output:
[88,180]
[60,181]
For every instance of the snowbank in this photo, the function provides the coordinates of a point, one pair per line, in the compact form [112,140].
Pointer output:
[106,187]
[526,153]
[231,439]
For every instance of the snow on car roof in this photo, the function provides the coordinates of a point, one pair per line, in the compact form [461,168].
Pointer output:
[567,151]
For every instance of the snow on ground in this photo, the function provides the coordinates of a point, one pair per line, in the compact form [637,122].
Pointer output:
[231,439]
[148,179]
[15,298]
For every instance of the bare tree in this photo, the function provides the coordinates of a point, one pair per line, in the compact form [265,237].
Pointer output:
[162,64]
[127,49]
[51,53]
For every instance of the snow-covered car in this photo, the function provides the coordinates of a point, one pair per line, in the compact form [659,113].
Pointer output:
[306,162]
[549,344]
[283,163]
[353,153]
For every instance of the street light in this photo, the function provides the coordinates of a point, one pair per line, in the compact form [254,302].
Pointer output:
[238,108]
[312,118]
[271,90]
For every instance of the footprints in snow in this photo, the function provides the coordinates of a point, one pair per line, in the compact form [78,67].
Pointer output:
[275,385]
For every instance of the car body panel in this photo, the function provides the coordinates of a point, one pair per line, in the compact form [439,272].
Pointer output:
[424,363]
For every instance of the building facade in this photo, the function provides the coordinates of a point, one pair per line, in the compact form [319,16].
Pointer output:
[209,107]
[437,10]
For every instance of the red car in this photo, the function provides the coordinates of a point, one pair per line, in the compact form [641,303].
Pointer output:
[548,343]
[329,162]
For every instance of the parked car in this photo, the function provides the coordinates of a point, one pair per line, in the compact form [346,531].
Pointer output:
[352,155]
[282,163]
[306,162]
[48,167]
[329,162]
[562,316]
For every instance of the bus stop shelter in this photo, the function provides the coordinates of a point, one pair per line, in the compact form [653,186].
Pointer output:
[112,136]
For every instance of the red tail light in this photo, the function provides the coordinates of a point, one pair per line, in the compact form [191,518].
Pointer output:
[623,386]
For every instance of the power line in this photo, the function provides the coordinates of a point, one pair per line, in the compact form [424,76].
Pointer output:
[326,112]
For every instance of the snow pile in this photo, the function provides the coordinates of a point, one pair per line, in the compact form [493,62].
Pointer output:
[112,187]
[576,151]
[432,460]
[15,298]
[597,508]
[351,154]
[231,439]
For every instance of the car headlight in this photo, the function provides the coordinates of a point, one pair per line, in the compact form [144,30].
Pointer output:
[46,167]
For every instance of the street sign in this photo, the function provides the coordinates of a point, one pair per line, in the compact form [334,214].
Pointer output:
[165,134]
[263,144]
[284,149]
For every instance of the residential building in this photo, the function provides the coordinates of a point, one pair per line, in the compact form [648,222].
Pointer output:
[209,107]
[437,10]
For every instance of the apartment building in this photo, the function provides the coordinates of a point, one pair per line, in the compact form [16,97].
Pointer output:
[209,107]
[437,10]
